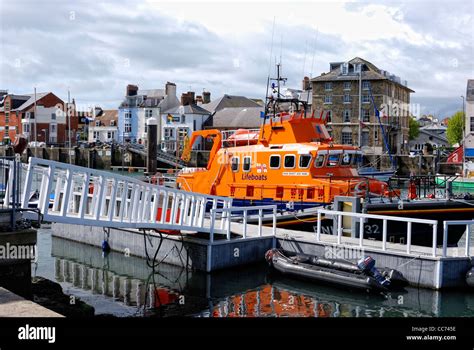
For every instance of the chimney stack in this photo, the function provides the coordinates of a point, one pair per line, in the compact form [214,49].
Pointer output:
[132,90]
[187,98]
[199,99]
[170,89]
[206,97]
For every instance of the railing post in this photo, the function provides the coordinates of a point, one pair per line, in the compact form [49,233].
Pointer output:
[211,229]
[84,197]
[435,239]
[274,221]
[468,238]
[27,189]
[228,223]
[384,234]
[339,228]
[408,237]
[361,232]
[260,213]
[318,227]
[245,223]
[445,238]
[67,192]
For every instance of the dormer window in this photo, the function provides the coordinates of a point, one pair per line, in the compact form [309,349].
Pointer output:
[345,68]
[112,123]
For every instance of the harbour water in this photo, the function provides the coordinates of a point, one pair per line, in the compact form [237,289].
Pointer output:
[125,286]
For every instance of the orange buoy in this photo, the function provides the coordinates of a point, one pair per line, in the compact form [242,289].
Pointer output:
[412,190]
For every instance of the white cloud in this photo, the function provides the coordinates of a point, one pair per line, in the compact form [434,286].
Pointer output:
[225,47]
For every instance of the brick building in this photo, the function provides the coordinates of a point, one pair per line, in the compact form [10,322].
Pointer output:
[18,114]
[352,122]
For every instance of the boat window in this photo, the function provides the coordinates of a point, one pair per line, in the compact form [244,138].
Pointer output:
[333,159]
[319,162]
[305,159]
[346,158]
[275,162]
[290,161]
[235,164]
[246,164]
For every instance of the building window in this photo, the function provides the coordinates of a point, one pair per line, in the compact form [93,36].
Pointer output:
[328,99]
[169,134]
[235,164]
[97,123]
[347,115]
[247,164]
[327,86]
[149,113]
[26,127]
[53,116]
[376,135]
[366,115]
[146,128]
[183,119]
[346,136]
[472,124]
[347,98]
[96,135]
[289,161]
[110,135]
[366,85]
[128,115]
[53,128]
[347,85]
[365,137]
[365,99]
[112,123]
[275,162]
[345,68]
[305,159]
[128,127]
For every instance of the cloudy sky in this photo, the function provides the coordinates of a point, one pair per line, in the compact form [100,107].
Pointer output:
[95,48]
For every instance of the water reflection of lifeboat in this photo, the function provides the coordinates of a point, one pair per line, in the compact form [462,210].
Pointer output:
[242,137]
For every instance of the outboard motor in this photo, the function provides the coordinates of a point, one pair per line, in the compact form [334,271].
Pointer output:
[367,264]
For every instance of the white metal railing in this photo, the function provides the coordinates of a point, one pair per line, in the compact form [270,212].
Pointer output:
[227,213]
[83,196]
[361,216]
[245,140]
[446,225]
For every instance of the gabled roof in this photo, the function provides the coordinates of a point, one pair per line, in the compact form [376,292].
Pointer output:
[236,117]
[20,102]
[229,101]
[369,72]
[188,109]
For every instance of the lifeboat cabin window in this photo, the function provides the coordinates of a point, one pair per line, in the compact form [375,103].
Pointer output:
[305,159]
[319,162]
[346,158]
[289,161]
[235,164]
[275,162]
[333,159]
[247,163]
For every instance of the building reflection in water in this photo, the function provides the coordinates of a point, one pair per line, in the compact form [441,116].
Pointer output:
[244,292]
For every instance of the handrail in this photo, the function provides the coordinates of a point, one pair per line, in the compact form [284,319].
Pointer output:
[228,211]
[385,219]
[446,224]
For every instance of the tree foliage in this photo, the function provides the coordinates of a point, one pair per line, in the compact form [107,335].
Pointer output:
[414,129]
[455,130]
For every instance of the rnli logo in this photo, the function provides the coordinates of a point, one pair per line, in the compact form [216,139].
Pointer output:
[261,168]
